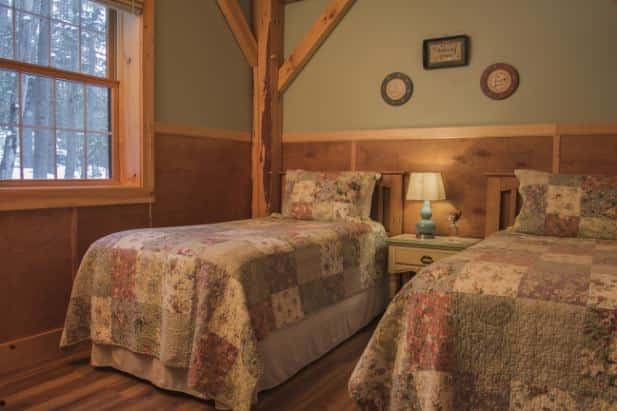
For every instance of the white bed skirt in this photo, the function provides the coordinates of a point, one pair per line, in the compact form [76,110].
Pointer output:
[284,352]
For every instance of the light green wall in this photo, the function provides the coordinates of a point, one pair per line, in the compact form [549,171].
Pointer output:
[202,77]
[564,51]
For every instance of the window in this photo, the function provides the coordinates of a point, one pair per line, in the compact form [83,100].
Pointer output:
[76,103]
[57,83]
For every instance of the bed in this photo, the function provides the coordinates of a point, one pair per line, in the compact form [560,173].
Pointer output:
[520,321]
[223,311]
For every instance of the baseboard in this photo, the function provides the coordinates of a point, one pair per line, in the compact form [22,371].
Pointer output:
[30,351]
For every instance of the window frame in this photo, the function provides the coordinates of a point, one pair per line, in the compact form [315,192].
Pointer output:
[85,80]
[131,81]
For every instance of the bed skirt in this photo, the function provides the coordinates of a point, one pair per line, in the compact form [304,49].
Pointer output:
[284,352]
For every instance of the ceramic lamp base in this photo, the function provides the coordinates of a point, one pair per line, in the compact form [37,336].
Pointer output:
[425,227]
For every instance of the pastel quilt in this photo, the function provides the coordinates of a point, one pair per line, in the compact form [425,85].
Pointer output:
[201,297]
[517,322]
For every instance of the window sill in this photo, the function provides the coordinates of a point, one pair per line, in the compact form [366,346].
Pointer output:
[36,198]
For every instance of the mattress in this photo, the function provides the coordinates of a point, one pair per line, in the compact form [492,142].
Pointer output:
[516,322]
[206,298]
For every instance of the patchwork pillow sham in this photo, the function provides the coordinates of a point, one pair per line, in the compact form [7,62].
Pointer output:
[328,196]
[563,205]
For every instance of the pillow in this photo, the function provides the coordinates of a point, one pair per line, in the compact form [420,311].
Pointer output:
[328,196]
[565,205]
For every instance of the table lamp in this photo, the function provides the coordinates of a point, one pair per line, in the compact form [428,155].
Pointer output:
[425,187]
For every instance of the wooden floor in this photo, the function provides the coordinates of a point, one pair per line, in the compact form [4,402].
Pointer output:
[75,385]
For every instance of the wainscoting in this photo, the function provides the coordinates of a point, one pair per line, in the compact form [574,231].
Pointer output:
[462,154]
[202,176]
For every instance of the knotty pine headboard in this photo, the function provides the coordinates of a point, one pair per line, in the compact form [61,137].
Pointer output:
[388,200]
[502,202]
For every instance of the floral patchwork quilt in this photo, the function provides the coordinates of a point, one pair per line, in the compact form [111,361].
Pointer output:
[201,297]
[517,322]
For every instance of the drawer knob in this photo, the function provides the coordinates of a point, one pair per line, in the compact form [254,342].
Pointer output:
[426,260]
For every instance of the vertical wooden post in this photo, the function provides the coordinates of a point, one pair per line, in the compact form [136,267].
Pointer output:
[268,18]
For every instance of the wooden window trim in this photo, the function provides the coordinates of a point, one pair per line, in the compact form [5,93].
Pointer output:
[133,120]
[57,73]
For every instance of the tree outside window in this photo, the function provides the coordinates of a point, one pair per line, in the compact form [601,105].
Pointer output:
[54,125]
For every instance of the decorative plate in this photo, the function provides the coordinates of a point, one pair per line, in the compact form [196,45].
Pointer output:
[499,81]
[396,89]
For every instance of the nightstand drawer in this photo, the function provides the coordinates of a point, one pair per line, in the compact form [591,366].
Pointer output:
[407,258]
[408,254]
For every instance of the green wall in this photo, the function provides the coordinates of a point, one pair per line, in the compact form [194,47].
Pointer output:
[202,77]
[564,51]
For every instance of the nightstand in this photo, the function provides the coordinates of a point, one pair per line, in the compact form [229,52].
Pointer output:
[408,254]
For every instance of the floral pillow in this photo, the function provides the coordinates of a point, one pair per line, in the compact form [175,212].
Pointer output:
[565,205]
[327,196]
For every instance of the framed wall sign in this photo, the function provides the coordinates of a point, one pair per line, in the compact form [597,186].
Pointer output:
[446,52]
[396,89]
[499,81]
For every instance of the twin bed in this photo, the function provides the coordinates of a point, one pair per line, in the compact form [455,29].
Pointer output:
[524,320]
[223,311]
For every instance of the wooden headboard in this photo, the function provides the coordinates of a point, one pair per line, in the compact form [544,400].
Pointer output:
[388,200]
[502,202]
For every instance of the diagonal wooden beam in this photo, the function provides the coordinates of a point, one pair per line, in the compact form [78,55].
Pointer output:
[240,28]
[315,37]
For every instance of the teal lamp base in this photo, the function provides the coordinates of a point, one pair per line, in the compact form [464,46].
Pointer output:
[425,227]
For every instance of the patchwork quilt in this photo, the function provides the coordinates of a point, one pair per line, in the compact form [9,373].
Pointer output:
[517,322]
[201,297]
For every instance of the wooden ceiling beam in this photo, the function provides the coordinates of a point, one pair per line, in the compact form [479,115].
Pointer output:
[240,29]
[313,39]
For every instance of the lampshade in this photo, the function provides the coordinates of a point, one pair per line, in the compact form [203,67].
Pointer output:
[425,186]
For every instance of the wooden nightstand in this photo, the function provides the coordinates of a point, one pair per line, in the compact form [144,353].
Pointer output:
[408,254]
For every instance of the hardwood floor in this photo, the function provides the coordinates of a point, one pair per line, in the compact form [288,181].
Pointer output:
[76,386]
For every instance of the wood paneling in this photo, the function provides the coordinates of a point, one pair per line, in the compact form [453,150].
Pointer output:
[35,251]
[463,164]
[330,156]
[201,180]
[463,154]
[462,161]
[96,222]
[589,154]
